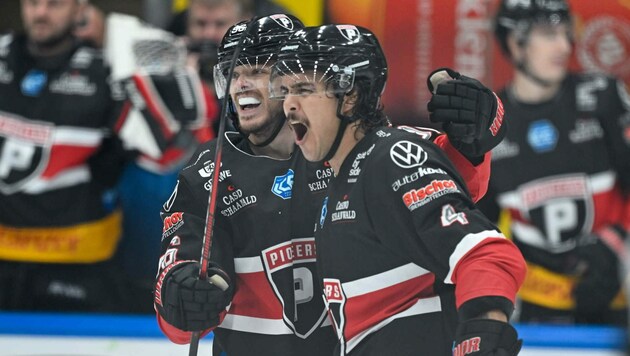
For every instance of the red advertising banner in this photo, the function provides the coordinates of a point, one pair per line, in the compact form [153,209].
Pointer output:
[421,35]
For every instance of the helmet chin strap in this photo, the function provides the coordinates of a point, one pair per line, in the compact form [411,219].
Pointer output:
[273,135]
[345,120]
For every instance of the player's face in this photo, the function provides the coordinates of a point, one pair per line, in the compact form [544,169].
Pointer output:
[547,51]
[257,114]
[211,23]
[311,111]
[48,22]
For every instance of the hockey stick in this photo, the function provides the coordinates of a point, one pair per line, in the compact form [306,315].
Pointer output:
[212,200]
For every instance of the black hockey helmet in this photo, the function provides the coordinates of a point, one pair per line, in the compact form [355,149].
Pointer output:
[259,47]
[519,16]
[344,56]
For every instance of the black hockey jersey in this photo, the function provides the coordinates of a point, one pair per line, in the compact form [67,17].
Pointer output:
[562,171]
[263,237]
[56,156]
[63,126]
[396,232]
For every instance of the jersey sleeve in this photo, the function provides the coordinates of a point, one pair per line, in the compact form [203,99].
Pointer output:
[184,220]
[475,176]
[425,212]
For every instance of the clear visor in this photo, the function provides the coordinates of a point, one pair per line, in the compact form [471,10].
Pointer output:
[305,77]
[250,73]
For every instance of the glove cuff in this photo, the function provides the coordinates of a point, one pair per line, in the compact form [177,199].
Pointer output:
[159,283]
[486,337]
[475,307]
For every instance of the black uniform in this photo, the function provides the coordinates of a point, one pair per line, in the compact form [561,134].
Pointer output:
[56,163]
[562,172]
[60,157]
[266,210]
[277,307]
[391,239]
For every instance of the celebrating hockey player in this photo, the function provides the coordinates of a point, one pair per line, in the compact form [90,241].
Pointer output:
[562,175]
[407,264]
[268,197]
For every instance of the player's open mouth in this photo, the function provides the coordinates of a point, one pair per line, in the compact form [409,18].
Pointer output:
[299,130]
[247,103]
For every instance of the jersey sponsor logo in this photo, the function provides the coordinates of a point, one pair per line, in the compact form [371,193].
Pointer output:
[586,130]
[450,216]
[416,198]
[283,185]
[406,154]
[208,168]
[355,170]
[323,213]
[342,213]
[283,20]
[236,201]
[323,176]
[542,136]
[6,75]
[559,208]
[605,46]
[34,82]
[382,134]
[24,150]
[73,84]
[82,58]
[421,172]
[294,262]
[172,223]
[171,200]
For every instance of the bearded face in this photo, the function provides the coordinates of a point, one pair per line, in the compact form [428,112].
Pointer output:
[49,22]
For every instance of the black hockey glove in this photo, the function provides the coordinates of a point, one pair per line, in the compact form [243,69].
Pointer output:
[600,280]
[191,304]
[486,337]
[470,113]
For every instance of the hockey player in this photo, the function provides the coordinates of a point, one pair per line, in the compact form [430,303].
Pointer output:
[402,252]
[562,174]
[267,200]
[61,140]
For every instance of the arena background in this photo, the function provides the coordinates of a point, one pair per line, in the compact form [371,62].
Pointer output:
[421,35]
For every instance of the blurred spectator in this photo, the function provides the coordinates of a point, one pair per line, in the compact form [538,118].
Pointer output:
[91,26]
[66,131]
[561,177]
[205,22]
